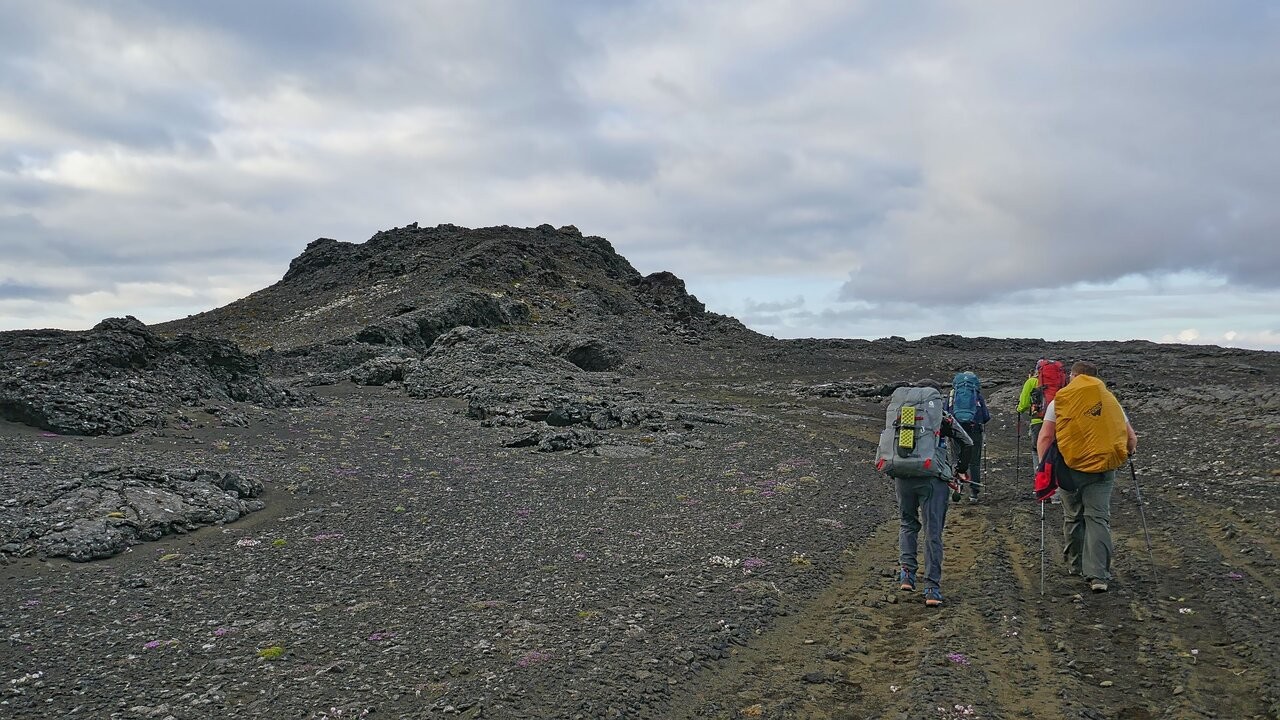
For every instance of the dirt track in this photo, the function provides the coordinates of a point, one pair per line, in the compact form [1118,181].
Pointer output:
[1195,636]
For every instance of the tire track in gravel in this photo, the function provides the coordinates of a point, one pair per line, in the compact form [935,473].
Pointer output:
[1235,535]
[1127,653]
[1024,678]
[1217,626]
[842,657]
[865,649]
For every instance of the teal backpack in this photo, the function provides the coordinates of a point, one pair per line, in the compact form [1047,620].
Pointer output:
[964,396]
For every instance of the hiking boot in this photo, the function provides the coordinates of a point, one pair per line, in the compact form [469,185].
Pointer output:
[973,499]
[1055,499]
[1098,585]
[932,597]
[906,579]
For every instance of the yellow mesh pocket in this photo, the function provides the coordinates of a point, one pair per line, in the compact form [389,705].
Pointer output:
[907,429]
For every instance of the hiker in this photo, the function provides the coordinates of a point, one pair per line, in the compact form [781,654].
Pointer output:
[1094,436]
[914,451]
[1037,392]
[967,405]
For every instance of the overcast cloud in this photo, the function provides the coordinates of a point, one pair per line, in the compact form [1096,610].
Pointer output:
[1059,170]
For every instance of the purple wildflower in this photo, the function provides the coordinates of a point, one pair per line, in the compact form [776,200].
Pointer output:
[1235,576]
[533,658]
[752,563]
[153,644]
[523,513]
[381,635]
[958,658]
[579,556]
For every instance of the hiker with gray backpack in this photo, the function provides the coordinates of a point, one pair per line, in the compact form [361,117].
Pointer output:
[969,408]
[915,450]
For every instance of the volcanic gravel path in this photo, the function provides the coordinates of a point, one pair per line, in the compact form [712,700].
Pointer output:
[408,565]
[1193,637]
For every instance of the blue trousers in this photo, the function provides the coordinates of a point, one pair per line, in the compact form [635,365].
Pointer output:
[922,503]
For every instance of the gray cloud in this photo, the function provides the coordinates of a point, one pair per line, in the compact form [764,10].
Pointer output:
[994,149]
[774,307]
[17,291]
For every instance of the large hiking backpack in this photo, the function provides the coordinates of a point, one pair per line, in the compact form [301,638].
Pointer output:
[1090,427]
[1051,378]
[964,396]
[911,444]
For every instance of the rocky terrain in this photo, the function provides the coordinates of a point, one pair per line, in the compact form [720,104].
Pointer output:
[120,376]
[498,473]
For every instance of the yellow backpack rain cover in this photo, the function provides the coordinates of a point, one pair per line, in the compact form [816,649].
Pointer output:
[1090,426]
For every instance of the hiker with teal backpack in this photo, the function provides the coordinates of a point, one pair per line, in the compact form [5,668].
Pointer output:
[967,405]
[915,451]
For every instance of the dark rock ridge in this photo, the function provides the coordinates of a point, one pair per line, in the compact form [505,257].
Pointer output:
[120,376]
[539,317]
[110,509]
[405,285]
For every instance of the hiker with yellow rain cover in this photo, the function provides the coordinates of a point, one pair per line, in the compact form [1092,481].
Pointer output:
[1093,435]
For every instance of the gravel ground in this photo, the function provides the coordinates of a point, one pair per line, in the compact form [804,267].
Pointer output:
[407,564]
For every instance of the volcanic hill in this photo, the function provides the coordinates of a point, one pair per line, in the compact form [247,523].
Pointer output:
[497,473]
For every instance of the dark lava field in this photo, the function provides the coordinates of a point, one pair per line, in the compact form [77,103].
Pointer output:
[498,473]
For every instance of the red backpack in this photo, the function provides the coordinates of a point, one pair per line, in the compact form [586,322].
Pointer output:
[1052,377]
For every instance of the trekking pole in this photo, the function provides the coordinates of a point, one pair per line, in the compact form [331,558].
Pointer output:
[1017,462]
[1042,547]
[986,459]
[1141,513]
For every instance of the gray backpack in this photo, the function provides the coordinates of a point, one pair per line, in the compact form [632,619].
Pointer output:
[911,444]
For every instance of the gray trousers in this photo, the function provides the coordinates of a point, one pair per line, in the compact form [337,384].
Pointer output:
[1086,524]
[1035,448]
[927,496]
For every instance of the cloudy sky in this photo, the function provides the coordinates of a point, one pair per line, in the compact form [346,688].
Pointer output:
[1084,170]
